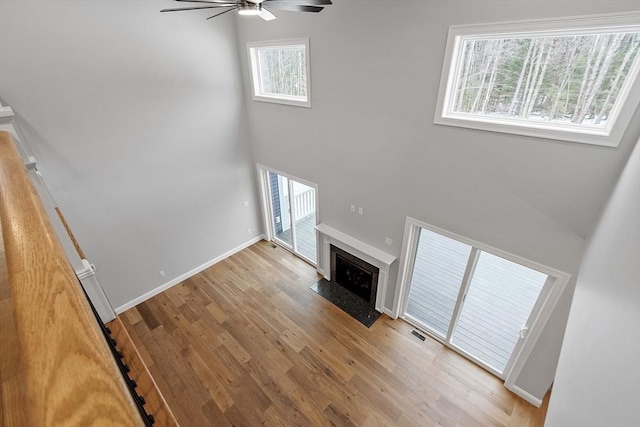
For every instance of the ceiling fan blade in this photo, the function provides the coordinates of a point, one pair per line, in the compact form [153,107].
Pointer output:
[193,8]
[302,2]
[281,5]
[221,13]
[228,2]
[266,15]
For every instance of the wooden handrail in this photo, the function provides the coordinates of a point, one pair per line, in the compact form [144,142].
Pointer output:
[71,376]
[76,245]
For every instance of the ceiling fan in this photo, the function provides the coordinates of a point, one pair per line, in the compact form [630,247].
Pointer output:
[256,7]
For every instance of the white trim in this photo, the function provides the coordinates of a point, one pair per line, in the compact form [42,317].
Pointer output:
[328,236]
[91,285]
[185,276]
[387,311]
[252,48]
[405,272]
[535,401]
[469,271]
[267,209]
[289,176]
[487,248]
[6,114]
[535,329]
[31,163]
[356,244]
[620,116]
[86,271]
[267,214]
[546,303]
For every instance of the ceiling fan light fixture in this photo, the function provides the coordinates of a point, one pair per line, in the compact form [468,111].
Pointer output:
[250,10]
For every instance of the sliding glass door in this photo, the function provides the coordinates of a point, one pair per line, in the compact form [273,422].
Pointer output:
[280,211]
[477,303]
[292,214]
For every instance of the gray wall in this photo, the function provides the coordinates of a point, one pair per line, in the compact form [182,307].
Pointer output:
[369,139]
[598,381]
[138,121]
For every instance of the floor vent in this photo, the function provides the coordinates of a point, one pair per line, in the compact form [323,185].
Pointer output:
[418,334]
[273,245]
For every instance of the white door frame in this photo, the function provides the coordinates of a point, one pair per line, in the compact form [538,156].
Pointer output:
[547,300]
[265,199]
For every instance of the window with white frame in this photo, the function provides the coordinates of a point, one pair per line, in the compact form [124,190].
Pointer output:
[280,71]
[572,79]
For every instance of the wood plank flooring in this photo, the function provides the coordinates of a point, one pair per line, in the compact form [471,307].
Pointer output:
[247,343]
[13,390]
[306,236]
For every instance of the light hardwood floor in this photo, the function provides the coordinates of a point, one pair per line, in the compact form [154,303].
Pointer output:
[247,343]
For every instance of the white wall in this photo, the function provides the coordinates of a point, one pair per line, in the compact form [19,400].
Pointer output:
[369,140]
[138,122]
[598,378]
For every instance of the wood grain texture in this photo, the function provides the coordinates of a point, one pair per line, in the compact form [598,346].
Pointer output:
[70,376]
[76,245]
[12,382]
[147,388]
[246,343]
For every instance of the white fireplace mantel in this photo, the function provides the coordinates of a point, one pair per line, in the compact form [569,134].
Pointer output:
[328,236]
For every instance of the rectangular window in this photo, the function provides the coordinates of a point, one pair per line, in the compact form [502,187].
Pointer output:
[570,79]
[280,71]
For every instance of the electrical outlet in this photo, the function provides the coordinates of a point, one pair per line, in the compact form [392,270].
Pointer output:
[388,241]
[161,273]
[353,208]
[360,211]
[248,231]
[246,204]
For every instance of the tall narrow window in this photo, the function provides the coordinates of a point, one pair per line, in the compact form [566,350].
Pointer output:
[569,79]
[280,71]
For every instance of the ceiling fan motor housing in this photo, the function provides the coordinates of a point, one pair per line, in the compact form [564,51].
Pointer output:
[256,7]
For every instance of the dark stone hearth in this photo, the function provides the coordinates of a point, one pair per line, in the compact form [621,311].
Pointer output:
[349,302]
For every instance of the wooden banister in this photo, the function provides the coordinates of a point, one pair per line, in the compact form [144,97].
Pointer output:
[76,245]
[71,378]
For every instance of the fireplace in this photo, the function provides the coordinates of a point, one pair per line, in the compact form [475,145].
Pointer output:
[354,274]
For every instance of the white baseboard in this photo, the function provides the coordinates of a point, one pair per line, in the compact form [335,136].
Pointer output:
[185,276]
[537,402]
[94,291]
[388,312]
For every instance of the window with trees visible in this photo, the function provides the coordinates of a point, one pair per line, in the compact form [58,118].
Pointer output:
[280,71]
[573,79]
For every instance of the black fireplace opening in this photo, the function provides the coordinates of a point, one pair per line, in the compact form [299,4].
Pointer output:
[353,286]
[354,274]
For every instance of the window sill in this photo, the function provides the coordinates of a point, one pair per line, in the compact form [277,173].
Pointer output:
[566,133]
[284,101]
